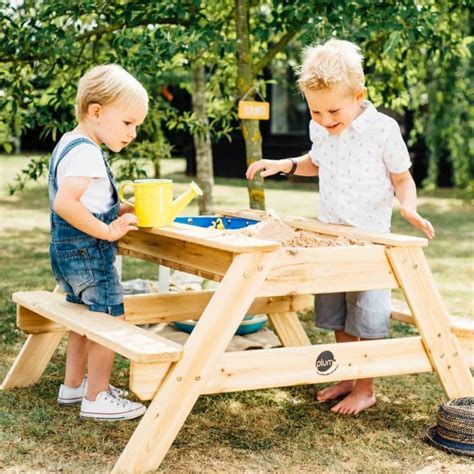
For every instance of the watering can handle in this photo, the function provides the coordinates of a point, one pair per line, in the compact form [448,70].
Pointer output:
[121,192]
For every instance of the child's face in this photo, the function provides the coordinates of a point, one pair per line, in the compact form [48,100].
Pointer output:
[116,125]
[334,109]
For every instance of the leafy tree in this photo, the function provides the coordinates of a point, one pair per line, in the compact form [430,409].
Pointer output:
[50,45]
[417,59]
[403,42]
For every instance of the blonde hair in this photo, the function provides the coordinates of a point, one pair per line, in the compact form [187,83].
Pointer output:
[107,84]
[336,63]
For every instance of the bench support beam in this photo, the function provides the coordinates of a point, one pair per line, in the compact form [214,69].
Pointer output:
[32,360]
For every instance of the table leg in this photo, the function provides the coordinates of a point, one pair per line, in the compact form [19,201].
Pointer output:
[289,329]
[187,379]
[431,318]
[32,359]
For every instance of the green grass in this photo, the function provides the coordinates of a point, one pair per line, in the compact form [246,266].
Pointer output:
[265,431]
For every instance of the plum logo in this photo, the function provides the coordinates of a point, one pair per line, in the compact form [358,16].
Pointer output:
[325,363]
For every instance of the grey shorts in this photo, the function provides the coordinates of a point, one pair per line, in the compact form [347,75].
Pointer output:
[363,314]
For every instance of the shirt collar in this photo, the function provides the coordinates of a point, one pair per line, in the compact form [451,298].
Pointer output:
[366,118]
[317,132]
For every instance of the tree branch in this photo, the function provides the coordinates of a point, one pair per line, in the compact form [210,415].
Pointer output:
[271,53]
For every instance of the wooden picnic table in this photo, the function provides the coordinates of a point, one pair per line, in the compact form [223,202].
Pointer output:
[255,276]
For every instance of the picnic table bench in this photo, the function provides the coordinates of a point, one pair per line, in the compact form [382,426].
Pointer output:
[255,276]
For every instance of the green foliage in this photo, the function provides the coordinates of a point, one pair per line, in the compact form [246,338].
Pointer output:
[36,168]
[449,121]
[417,58]
[49,45]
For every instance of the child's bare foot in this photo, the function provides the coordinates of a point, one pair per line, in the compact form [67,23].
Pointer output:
[358,400]
[335,391]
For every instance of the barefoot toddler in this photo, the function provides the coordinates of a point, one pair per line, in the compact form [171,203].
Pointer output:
[361,160]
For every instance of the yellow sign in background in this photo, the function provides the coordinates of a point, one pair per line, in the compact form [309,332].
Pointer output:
[249,109]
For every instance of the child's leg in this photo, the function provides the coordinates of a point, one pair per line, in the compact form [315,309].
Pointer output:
[360,398]
[102,402]
[341,388]
[368,317]
[76,359]
[100,362]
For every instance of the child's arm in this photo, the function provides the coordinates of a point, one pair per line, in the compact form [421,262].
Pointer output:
[405,190]
[304,167]
[67,204]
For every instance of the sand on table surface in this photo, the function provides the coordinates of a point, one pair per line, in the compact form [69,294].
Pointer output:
[274,229]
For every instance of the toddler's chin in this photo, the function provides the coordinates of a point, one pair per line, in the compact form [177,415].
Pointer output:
[116,148]
[336,130]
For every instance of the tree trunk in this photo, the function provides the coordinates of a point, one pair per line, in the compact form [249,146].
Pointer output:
[202,139]
[245,80]
[157,167]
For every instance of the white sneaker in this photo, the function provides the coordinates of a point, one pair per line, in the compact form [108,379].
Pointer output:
[110,406]
[69,395]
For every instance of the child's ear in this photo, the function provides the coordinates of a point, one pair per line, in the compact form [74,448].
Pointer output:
[360,94]
[94,111]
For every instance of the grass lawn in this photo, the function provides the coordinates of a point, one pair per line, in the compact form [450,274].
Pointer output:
[257,431]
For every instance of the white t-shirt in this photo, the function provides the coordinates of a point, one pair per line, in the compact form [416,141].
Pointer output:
[86,160]
[354,170]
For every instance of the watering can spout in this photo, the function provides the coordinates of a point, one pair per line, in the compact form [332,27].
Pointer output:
[182,201]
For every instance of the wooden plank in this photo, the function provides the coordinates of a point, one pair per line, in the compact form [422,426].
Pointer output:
[32,323]
[32,360]
[461,327]
[256,369]
[212,238]
[145,379]
[329,270]
[157,308]
[182,387]
[174,253]
[333,229]
[432,320]
[288,328]
[238,373]
[147,256]
[467,350]
[132,342]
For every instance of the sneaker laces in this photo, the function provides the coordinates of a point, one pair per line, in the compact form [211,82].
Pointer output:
[115,398]
[118,391]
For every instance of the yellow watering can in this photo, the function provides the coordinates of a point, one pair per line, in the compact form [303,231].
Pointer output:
[154,205]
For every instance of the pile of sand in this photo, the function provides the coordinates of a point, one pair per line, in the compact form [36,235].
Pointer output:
[274,229]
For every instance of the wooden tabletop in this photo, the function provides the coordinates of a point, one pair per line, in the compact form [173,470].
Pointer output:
[314,225]
[212,238]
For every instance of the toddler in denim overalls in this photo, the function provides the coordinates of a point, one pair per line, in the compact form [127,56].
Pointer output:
[86,221]
[83,265]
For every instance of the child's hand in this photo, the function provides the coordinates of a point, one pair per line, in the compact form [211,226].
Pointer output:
[269,168]
[120,226]
[417,221]
[125,207]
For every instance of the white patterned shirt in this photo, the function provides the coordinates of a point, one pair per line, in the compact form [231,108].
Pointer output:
[354,169]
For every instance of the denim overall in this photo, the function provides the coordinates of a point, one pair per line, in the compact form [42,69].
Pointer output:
[83,265]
